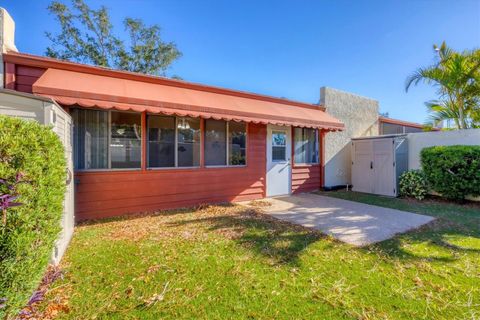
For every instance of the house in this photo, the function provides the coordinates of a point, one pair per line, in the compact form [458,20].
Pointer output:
[361,118]
[143,143]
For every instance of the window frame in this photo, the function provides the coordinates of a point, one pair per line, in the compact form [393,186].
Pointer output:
[144,150]
[318,145]
[227,151]
[175,148]
[285,132]
[109,140]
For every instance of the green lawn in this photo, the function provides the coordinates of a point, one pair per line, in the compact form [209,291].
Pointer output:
[228,262]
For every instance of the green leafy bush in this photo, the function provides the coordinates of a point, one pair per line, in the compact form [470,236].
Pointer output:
[452,171]
[28,236]
[413,184]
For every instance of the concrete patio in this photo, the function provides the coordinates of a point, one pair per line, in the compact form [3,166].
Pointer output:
[355,223]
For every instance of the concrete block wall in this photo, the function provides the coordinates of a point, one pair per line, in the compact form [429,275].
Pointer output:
[360,116]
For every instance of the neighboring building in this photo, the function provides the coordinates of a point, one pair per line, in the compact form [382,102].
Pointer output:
[394,126]
[361,118]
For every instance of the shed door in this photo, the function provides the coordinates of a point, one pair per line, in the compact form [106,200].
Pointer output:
[278,160]
[362,166]
[383,169]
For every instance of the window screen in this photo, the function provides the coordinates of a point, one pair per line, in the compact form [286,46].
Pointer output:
[161,141]
[215,143]
[279,148]
[306,145]
[125,140]
[188,147]
[90,135]
[389,128]
[237,137]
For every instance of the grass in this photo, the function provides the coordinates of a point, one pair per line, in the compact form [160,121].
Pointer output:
[229,262]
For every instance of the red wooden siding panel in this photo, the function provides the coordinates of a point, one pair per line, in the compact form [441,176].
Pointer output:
[26,76]
[305,179]
[110,193]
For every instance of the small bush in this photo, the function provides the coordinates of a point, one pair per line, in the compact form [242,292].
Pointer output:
[452,171]
[413,184]
[28,236]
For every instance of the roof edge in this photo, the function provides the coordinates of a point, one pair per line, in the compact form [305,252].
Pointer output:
[45,62]
[401,122]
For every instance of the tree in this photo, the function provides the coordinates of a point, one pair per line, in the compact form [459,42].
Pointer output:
[86,36]
[456,75]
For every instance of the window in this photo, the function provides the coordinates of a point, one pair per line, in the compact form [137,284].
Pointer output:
[125,140]
[106,139]
[306,145]
[237,138]
[225,140]
[279,145]
[389,128]
[411,129]
[161,141]
[188,148]
[90,135]
[215,143]
[173,142]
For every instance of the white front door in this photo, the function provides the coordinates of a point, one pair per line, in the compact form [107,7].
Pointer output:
[278,160]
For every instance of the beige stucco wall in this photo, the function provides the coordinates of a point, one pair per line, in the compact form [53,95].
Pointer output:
[7,38]
[420,140]
[360,116]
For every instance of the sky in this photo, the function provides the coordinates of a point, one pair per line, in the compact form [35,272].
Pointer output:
[291,48]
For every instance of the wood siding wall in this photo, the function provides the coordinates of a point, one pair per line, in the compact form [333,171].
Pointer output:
[111,193]
[106,194]
[24,77]
[306,178]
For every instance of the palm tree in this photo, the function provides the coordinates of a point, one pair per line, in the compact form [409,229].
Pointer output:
[457,79]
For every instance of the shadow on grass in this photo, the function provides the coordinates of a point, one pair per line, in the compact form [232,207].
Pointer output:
[453,220]
[154,213]
[280,242]
[432,242]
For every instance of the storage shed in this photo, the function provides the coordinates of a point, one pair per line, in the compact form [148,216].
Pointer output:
[378,162]
[47,112]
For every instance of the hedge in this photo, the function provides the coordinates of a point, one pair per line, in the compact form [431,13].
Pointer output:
[413,184]
[452,171]
[27,239]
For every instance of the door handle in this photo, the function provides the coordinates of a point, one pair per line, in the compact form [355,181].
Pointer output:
[371,164]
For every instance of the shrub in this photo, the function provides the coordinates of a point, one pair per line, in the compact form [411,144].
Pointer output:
[413,184]
[28,236]
[452,171]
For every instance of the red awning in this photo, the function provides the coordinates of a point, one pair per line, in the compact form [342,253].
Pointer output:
[97,91]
